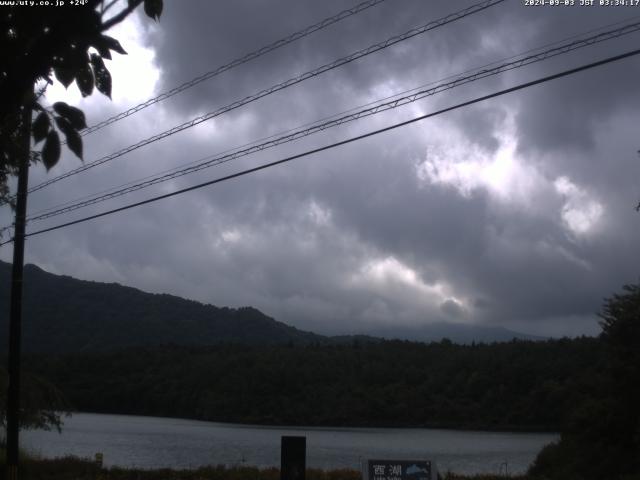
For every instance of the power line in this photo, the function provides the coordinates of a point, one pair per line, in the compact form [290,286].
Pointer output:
[606,35]
[321,126]
[343,142]
[281,86]
[513,56]
[446,78]
[235,63]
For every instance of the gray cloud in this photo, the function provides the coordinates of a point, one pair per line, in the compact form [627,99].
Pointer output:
[516,212]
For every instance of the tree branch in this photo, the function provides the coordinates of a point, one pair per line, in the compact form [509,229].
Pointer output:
[121,16]
[106,9]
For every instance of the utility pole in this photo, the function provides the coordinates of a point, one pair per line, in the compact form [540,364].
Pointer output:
[15,319]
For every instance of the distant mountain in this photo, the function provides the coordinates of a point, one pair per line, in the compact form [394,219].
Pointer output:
[456,332]
[63,314]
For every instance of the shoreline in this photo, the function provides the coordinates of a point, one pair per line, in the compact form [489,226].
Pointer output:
[191,444]
[350,427]
[68,468]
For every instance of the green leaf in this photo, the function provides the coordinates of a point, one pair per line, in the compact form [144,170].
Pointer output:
[64,75]
[113,44]
[41,126]
[85,81]
[103,77]
[74,115]
[153,8]
[74,141]
[75,58]
[96,62]
[102,47]
[51,150]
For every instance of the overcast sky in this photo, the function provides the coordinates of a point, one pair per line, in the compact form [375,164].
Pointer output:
[517,211]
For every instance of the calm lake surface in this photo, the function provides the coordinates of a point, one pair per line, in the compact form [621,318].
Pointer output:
[149,442]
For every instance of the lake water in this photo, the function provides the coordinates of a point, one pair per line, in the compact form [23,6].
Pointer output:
[149,442]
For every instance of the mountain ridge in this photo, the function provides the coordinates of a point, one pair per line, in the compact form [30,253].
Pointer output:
[65,314]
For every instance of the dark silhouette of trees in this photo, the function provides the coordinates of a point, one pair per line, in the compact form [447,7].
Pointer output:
[621,334]
[43,404]
[38,44]
[602,439]
[508,386]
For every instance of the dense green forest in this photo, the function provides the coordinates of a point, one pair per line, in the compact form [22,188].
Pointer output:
[516,385]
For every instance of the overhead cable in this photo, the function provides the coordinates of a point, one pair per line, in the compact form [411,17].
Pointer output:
[318,127]
[343,142]
[235,63]
[475,8]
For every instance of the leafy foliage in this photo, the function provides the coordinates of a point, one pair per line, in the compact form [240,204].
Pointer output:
[68,44]
[43,405]
[51,149]
[602,438]
[516,385]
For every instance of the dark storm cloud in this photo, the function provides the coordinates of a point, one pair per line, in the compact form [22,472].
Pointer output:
[360,235]
[587,100]
[242,27]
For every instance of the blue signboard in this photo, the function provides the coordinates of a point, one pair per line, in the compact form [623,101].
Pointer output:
[400,470]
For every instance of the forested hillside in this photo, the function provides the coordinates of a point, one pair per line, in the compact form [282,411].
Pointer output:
[63,314]
[517,385]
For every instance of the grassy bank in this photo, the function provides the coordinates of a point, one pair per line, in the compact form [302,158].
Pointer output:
[73,468]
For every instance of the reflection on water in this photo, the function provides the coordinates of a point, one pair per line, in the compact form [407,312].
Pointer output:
[149,442]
